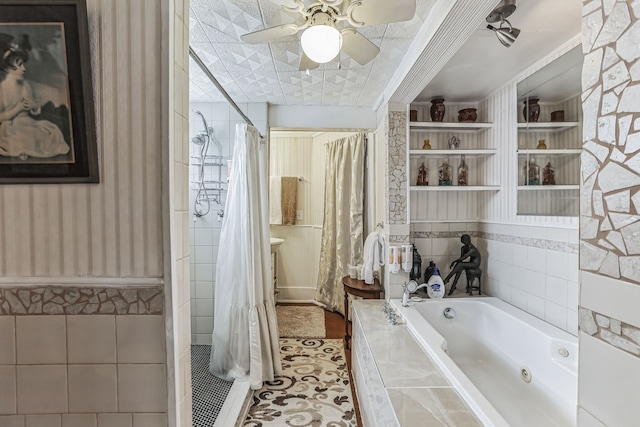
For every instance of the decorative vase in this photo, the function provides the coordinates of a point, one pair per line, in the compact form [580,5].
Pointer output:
[531,111]
[426,145]
[463,172]
[541,145]
[467,115]
[437,109]
[444,174]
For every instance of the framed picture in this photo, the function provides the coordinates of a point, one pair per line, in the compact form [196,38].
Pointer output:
[47,119]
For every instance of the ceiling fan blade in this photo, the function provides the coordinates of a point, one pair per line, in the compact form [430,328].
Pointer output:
[307,64]
[268,34]
[372,12]
[357,46]
[290,4]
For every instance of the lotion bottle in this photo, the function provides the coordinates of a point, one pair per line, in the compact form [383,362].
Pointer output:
[435,285]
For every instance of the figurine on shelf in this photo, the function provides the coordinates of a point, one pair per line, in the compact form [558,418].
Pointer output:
[548,174]
[454,143]
[469,262]
[531,172]
[426,145]
[444,173]
[463,172]
[423,175]
[541,145]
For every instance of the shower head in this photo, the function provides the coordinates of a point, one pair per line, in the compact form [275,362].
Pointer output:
[200,138]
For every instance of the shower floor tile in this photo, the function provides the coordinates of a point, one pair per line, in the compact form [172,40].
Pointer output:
[209,391]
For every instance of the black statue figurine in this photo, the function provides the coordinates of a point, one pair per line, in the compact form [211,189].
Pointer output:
[469,251]
[416,269]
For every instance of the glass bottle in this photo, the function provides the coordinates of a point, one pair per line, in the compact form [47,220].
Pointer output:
[445,172]
[423,175]
[548,174]
[531,172]
[541,145]
[463,172]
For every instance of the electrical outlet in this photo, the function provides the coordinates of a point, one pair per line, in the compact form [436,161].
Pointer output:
[299,215]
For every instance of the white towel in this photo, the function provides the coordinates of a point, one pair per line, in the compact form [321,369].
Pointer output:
[374,247]
[275,200]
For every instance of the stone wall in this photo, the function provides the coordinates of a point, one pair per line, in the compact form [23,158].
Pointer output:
[610,199]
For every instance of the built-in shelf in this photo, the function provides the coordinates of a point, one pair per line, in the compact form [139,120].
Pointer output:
[442,126]
[448,188]
[547,187]
[546,126]
[440,153]
[558,151]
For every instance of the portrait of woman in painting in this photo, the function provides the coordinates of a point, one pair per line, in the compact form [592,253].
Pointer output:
[34,113]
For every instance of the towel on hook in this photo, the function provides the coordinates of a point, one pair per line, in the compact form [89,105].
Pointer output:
[282,200]
[374,250]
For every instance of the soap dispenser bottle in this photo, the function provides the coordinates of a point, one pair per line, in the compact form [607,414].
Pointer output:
[435,285]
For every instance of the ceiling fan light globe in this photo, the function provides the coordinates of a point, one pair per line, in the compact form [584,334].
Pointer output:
[321,43]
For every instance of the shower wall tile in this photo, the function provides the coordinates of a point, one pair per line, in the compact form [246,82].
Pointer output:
[43,421]
[92,388]
[83,347]
[115,420]
[8,340]
[35,333]
[149,420]
[140,339]
[42,389]
[141,388]
[79,420]
[12,420]
[7,390]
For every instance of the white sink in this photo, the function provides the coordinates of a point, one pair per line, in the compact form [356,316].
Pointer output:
[275,243]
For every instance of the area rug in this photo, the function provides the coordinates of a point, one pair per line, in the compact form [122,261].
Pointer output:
[313,389]
[300,321]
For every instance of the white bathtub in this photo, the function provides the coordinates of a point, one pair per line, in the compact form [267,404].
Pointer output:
[483,351]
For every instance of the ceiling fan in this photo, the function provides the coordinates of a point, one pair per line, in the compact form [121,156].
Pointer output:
[321,40]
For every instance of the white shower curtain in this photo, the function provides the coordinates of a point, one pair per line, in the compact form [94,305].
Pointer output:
[343,217]
[245,333]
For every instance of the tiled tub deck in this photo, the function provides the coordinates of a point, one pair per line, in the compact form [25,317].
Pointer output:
[396,382]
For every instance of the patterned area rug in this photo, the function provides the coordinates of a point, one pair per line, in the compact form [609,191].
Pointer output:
[313,389]
[300,321]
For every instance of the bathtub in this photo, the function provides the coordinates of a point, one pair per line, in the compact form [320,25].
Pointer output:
[512,368]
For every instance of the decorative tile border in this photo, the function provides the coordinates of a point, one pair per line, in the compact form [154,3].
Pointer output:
[64,300]
[504,238]
[612,331]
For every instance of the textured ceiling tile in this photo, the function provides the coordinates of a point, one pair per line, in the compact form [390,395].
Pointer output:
[286,55]
[197,33]
[248,58]
[208,56]
[233,18]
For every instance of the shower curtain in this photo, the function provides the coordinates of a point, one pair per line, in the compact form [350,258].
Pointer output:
[343,217]
[245,334]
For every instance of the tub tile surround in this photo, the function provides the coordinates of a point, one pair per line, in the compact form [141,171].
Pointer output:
[544,261]
[427,399]
[97,370]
